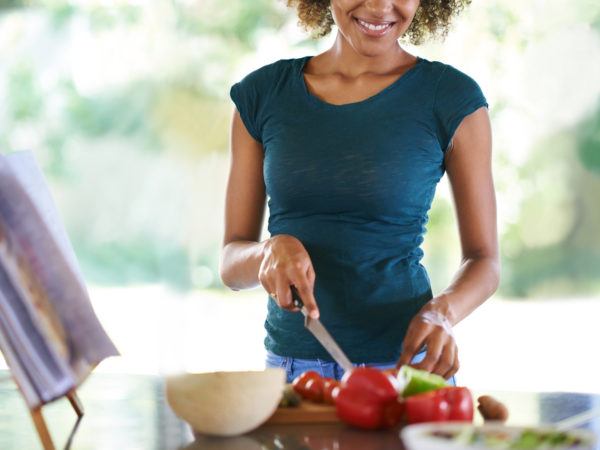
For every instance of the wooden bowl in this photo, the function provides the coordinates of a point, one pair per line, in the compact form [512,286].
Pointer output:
[225,403]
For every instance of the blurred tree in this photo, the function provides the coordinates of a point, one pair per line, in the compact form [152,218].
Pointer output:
[125,104]
[543,60]
[554,249]
[134,84]
[9,4]
[588,142]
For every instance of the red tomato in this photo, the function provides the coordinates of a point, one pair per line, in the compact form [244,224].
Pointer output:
[358,408]
[313,390]
[328,389]
[301,380]
[371,381]
[301,384]
[393,412]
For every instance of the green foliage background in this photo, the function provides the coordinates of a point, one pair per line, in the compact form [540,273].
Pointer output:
[125,105]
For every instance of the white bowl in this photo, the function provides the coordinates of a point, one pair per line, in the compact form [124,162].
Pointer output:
[419,437]
[225,403]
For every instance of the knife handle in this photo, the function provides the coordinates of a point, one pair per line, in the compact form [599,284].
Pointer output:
[298,303]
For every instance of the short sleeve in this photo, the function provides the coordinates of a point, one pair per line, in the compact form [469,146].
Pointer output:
[457,96]
[245,97]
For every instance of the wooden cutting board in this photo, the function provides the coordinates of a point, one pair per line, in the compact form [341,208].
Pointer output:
[306,412]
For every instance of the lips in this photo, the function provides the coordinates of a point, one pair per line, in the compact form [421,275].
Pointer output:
[374,28]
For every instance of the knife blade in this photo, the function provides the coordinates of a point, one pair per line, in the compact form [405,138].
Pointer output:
[320,332]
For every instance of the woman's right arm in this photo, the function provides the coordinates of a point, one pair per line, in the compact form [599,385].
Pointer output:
[242,252]
[276,263]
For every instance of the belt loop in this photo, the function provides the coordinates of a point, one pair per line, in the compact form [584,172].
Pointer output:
[289,368]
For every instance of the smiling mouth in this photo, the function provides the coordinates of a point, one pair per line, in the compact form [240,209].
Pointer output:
[374,28]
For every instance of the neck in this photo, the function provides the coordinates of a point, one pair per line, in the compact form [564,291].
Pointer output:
[344,59]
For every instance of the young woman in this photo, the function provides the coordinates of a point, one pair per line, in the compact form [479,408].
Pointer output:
[348,147]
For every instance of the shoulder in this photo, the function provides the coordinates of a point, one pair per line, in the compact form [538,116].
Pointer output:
[253,95]
[449,78]
[453,90]
[270,73]
[455,96]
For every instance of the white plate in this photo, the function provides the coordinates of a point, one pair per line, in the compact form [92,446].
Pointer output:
[419,436]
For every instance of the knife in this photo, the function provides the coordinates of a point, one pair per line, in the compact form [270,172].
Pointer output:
[320,332]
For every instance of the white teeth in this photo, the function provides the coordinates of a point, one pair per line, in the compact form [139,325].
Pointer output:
[373,27]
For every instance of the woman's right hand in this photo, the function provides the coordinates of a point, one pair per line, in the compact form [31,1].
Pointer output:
[285,263]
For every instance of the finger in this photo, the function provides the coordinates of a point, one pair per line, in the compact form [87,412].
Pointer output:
[310,274]
[406,356]
[284,295]
[272,292]
[445,362]
[413,343]
[268,286]
[455,362]
[264,281]
[302,276]
[434,351]
[453,369]
[305,288]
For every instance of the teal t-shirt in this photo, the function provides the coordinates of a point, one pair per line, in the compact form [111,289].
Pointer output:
[354,184]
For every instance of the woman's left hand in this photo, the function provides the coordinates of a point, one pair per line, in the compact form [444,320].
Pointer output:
[433,329]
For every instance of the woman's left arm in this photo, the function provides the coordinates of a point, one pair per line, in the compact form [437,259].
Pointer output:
[469,167]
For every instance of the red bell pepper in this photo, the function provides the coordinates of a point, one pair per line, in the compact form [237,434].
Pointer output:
[373,381]
[358,408]
[393,413]
[368,399]
[445,404]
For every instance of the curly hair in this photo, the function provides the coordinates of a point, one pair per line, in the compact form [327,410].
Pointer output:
[432,19]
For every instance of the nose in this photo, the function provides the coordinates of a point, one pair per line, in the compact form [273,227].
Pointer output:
[380,7]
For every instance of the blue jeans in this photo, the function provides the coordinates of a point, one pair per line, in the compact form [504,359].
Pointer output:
[296,366]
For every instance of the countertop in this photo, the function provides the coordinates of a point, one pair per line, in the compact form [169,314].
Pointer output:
[130,412]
